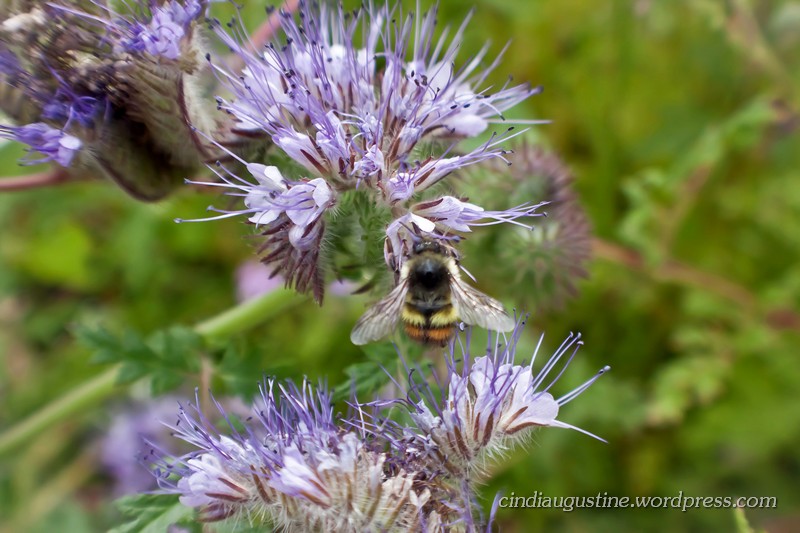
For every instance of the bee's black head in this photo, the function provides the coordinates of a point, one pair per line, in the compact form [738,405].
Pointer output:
[428,272]
[427,246]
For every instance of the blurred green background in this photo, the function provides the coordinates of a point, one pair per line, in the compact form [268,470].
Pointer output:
[679,119]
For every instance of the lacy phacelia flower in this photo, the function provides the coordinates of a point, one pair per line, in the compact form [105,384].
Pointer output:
[491,403]
[291,214]
[353,112]
[126,86]
[438,220]
[370,104]
[163,34]
[294,468]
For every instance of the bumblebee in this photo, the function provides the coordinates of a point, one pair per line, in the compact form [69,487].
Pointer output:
[430,299]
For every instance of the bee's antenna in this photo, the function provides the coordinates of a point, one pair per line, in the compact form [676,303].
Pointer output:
[467,272]
[453,238]
[413,231]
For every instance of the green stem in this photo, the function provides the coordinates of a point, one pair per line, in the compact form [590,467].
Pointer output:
[86,394]
[239,318]
[248,314]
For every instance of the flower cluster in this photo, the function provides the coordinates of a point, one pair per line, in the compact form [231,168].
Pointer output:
[109,94]
[365,102]
[294,467]
[297,466]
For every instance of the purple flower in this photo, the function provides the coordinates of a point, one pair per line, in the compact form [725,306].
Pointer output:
[53,144]
[303,202]
[353,110]
[297,466]
[294,467]
[126,437]
[67,106]
[162,34]
[490,404]
[350,97]
[399,187]
[127,83]
[291,213]
[458,215]
[439,218]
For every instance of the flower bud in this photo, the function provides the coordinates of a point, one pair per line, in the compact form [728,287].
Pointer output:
[544,264]
[127,87]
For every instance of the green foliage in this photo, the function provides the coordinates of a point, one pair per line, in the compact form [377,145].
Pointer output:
[356,231]
[166,358]
[241,367]
[659,197]
[150,513]
[366,378]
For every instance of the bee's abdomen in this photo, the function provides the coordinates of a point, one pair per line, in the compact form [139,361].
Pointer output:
[433,327]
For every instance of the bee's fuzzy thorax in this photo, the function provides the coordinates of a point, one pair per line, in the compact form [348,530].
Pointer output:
[430,299]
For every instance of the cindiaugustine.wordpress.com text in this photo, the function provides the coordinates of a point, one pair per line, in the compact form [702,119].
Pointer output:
[603,500]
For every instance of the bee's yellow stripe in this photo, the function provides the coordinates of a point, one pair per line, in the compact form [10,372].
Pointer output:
[444,317]
[424,335]
[436,328]
[412,316]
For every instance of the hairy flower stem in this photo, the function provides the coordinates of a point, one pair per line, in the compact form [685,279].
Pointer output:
[248,314]
[96,389]
[48,178]
[78,399]
[673,271]
[265,32]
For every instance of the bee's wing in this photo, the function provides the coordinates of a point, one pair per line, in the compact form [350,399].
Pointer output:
[380,319]
[477,309]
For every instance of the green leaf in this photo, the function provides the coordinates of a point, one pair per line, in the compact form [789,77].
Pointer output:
[167,356]
[104,344]
[242,368]
[684,384]
[661,198]
[369,376]
[152,513]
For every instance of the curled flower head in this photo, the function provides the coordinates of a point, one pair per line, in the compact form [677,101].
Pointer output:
[553,259]
[124,84]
